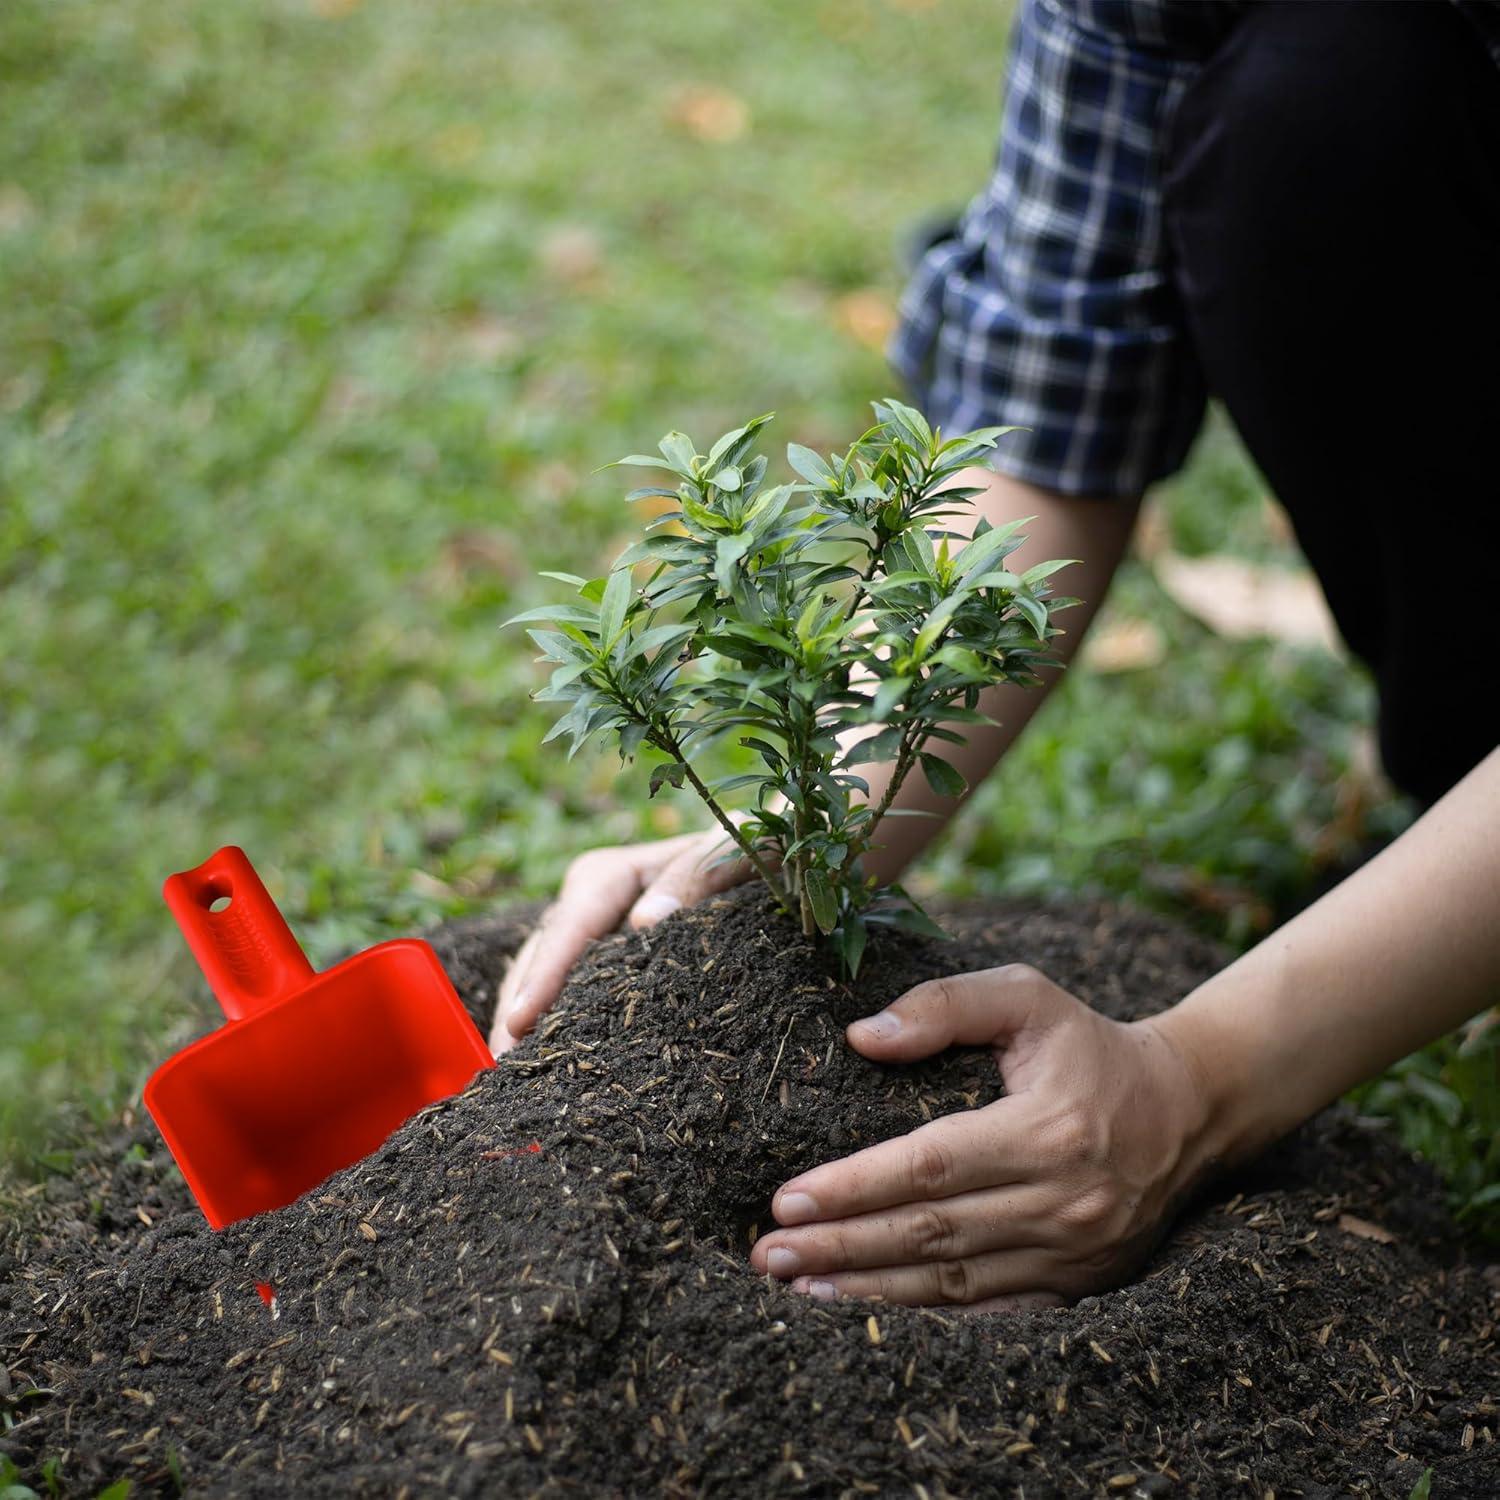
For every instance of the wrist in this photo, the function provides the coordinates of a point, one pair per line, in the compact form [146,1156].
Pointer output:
[1228,1117]
[1245,1044]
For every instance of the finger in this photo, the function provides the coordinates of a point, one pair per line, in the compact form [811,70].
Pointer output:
[1017,1302]
[698,871]
[596,892]
[978,1009]
[559,946]
[946,1229]
[966,1282]
[959,1153]
[515,976]
[515,973]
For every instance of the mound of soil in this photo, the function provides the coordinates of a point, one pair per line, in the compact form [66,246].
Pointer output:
[540,1287]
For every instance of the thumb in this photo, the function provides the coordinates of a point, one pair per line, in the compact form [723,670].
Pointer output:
[699,871]
[990,1007]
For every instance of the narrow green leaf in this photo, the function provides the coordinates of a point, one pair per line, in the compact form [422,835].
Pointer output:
[987,546]
[999,580]
[657,549]
[919,549]
[564,676]
[943,778]
[762,635]
[868,489]
[634,461]
[1035,575]
[702,515]
[662,636]
[631,737]
[852,938]
[906,420]
[936,623]
[963,661]
[906,916]
[768,508]
[981,438]
[570,723]
[671,774]
[554,614]
[727,556]
[555,645]
[724,444]
[677,449]
[613,606]
[821,898]
[1035,612]
[887,696]
[733,446]
[807,620]
[767,751]
[734,783]
[811,466]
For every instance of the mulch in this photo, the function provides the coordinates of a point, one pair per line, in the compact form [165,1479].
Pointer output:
[539,1287]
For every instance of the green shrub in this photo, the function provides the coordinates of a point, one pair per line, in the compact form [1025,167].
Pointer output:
[825,624]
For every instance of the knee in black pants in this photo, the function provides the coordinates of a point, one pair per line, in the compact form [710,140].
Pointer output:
[1333,206]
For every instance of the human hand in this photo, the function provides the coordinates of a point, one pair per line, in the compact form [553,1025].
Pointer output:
[641,882]
[1057,1190]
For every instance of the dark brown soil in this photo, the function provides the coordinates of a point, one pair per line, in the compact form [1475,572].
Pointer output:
[540,1287]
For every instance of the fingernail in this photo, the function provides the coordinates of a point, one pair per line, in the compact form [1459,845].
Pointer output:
[782,1262]
[652,907]
[796,1208]
[883,1026]
[820,1291]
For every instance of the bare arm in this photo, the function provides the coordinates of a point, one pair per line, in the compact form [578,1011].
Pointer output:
[1404,950]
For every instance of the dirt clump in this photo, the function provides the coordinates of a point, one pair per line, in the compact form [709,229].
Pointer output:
[540,1287]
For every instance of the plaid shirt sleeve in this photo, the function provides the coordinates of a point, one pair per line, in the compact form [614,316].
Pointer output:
[1052,305]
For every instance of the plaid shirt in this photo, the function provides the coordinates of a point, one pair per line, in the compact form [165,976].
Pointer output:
[1052,306]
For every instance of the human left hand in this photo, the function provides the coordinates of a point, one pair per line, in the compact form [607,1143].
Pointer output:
[1059,1189]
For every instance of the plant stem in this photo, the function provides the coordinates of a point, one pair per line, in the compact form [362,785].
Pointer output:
[664,740]
[905,758]
[660,734]
[799,865]
[911,743]
[858,597]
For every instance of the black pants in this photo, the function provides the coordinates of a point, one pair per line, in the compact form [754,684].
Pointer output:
[1333,203]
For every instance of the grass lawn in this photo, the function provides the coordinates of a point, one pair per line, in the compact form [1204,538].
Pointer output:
[318,317]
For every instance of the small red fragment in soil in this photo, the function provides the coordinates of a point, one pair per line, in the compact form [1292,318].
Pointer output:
[267,1292]
[532,1150]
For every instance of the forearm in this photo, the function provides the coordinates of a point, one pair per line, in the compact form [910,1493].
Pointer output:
[1093,531]
[1403,951]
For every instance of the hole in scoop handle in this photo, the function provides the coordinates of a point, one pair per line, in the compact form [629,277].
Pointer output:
[241,941]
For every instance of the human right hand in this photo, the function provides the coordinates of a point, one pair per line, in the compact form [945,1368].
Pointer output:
[1056,1190]
[638,883]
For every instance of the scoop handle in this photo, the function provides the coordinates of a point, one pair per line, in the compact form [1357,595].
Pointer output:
[245,949]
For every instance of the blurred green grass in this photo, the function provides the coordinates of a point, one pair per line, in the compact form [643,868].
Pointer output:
[318,317]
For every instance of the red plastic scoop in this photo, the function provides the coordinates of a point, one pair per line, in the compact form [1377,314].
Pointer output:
[313,1071]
